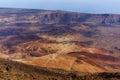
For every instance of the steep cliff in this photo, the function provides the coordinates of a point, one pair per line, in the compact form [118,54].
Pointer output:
[30,16]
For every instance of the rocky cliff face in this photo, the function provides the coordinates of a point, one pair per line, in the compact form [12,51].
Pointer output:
[25,17]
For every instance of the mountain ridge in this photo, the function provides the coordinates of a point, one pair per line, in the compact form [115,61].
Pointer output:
[34,16]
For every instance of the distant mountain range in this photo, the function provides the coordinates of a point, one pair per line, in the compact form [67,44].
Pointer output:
[30,16]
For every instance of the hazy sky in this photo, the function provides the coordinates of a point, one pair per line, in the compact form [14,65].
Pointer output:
[85,6]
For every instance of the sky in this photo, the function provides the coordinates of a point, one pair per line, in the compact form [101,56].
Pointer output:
[84,6]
